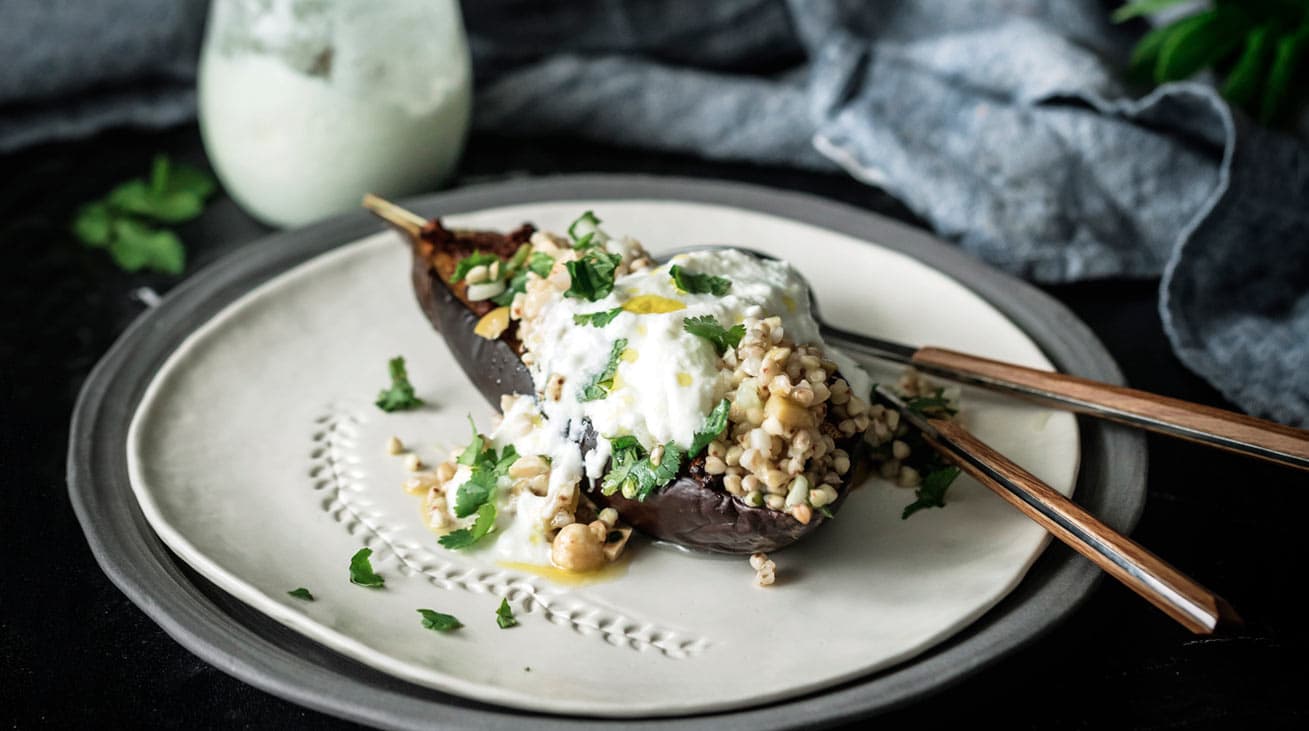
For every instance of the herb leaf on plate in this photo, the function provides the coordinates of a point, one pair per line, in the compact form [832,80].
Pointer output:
[693,283]
[714,424]
[600,384]
[931,493]
[592,276]
[707,327]
[597,319]
[400,395]
[465,537]
[301,593]
[361,570]
[632,472]
[438,622]
[504,616]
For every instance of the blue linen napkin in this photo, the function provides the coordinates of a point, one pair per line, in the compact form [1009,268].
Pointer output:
[1003,123]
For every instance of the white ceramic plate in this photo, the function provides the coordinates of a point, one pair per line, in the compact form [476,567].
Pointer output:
[257,456]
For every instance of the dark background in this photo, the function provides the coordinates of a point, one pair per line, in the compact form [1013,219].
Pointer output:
[76,653]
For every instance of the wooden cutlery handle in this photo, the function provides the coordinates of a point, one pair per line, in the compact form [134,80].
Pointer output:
[1199,609]
[1205,424]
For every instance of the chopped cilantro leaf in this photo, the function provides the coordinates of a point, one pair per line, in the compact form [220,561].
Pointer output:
[931,494]
[439,622]
[714,424]
[597,319]
[123,221]
[584,228]
[592,276]
[631,472]
[401,394]
[707,327]
[361,570]
[826,511]
[693,283]
[540,263]
[487,468]
[301,593]
[932,405]
[504,616]
[473,493]
[465,537]
[599,386]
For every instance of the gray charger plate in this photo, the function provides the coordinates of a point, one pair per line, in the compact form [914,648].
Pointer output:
[250,646]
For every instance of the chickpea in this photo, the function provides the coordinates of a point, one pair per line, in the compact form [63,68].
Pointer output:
[578,548]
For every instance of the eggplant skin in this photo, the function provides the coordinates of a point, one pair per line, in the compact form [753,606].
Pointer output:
[493,366]
[693,510]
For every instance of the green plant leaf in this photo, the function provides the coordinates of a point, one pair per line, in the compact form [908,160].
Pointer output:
[136,246]
[361,570]
[1145,56]
[1282,92]
[94,225]
[1214,35]
[1244,80]
[438,622]
[1137,8]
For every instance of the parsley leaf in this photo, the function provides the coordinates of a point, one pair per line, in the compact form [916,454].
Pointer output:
[931,493]
[121,222]
[504,616]
[584,227]
[597,319]
[301,593]
[136,246]
[401,394]
[592,276]
[439,622]
[475,259]
[541,263]
[465,537]
[692,283]
[932,405]
[631,472]
[714,424]
[472,494]
[599,386]
[707,327]
[474,449]
[361,570]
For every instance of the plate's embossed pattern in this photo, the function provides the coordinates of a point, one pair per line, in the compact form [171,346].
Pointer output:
[335,471]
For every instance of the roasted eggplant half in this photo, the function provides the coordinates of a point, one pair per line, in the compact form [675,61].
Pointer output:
[695,509]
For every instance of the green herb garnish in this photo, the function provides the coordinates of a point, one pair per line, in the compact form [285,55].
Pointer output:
[631,471]
[439,622]
[933,405]
[692,283]
[707,327]
[826,511]
[475,259]
[504,616]
[123,221]
[592,276]
[597,319]
[583,230]
[931,493]
[400,395]
[515,271]
[487,468]
[301,593]
[599,386]
[361,570]
[540,263]
[465,537]
[714,424]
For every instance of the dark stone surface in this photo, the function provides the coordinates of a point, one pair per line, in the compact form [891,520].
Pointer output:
[75,653]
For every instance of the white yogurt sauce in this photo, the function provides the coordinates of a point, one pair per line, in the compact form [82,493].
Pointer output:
[668,379]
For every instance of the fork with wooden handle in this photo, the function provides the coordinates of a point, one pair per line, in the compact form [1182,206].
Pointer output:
[1197,608]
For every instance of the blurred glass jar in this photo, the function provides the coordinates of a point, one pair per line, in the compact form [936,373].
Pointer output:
[305,105]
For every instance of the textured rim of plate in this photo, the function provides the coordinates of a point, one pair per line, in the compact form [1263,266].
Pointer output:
[256,649]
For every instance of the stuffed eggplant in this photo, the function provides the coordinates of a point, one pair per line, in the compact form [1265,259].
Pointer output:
[691,399]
